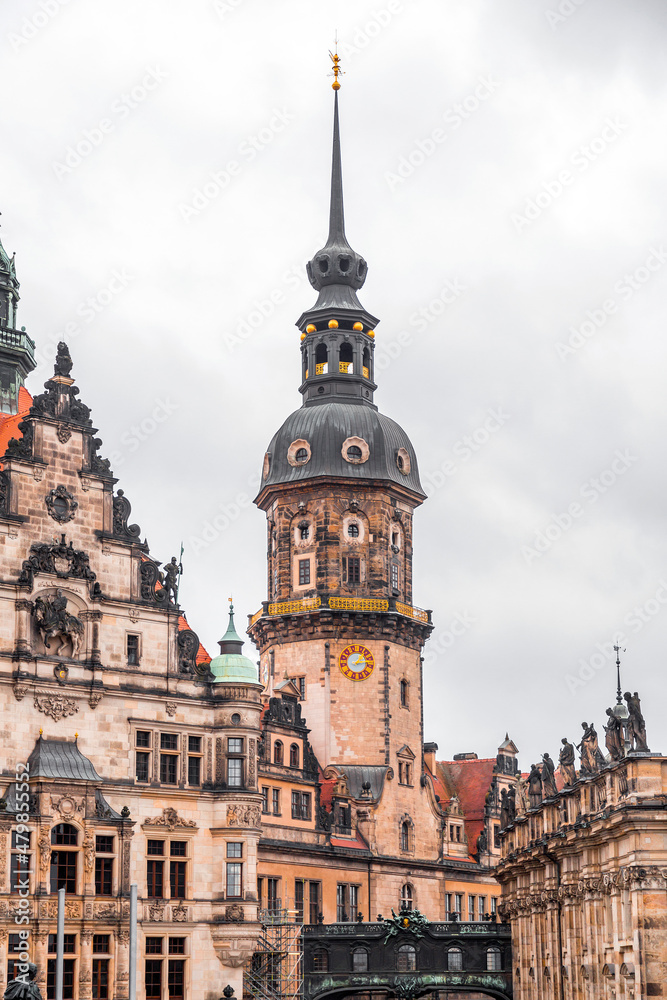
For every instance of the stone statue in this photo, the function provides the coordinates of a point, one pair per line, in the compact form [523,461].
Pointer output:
[566,763]
[589,749]
[534,787]
[614,740]
[511,803]
[504,810]
[53,619]
[63,365]
[23,988]
[548,777]
[482,843]
[521,796]
[172,571]
[636,724]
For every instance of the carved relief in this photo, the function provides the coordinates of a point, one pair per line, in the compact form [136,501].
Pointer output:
[105,910]
[234,913]
[218,761]
[61,505]
[179,913]
[209,761]
[63,433]
[123,935]
[44,843]
[156,911]
[53,619]
[56,706]
[66,805]
[243,815]
[59,558]
[87,936]
[89,851]
[252,757]
[94,699]
[20,691]
[170,819]
[171,707]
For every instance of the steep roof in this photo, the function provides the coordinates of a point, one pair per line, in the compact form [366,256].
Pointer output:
[9,422]
[469,780]
[202,655]
[60,759]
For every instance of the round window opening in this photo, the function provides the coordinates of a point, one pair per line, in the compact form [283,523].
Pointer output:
[403,461]
[236,719]
[301,456]
[353,529]
[354,453]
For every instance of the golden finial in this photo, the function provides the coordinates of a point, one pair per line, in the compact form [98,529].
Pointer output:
[335,59]
[76,736]
[41,731]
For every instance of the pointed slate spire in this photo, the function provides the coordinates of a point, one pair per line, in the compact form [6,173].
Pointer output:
[231,642]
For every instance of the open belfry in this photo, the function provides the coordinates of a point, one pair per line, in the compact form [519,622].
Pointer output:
[243,804]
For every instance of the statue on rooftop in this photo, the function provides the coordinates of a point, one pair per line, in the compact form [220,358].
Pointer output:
[534,787]
[511,803]
[63,364]
[614,740]
[636,724]
[172,571]
[548,777]
[590,751]
[566,763]
[504,810]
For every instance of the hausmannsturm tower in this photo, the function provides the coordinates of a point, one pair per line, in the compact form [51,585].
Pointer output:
[340,485]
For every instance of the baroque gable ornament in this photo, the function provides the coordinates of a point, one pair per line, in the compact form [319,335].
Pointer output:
[58,558]
[56,706]
[61,505]
[170,819]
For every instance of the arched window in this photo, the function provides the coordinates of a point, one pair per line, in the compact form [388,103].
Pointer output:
[64,862]
[294,755]
[278,752]
[454,959]
[406,958]
[320,960]
[321,359]
[406,897]
[304,528]
[406,835]
[345,357]
[353,527]
[493,960]
[404,689]
[367,363]
[359,960]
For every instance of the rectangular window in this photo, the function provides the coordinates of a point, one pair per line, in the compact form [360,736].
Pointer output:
[233,879]
[494,906]
[177,946]
[235,772]
[354,901]
[103,876]
[143,766]
[100,978]
[496,836]
[481,906]
[301,685]
[314,901]
[353,569]
[276,801]
[450,901]
[304,572]
[260,891]
[168,741]
[296,805]
[194,771]
[68,979]
[234,745]
[235,849]
[155,847]
[177,879]
[272,898]
[298,899]
[153,946]
[154,879]
[143,738]
[458,904]
[394,577]
[20,871]
[265,799]
[104,845]
[305,805]
[168,768]
[178,848]
[133,650]
[15,943]
[101,944]
[471,908]
[69,944]
[341,903]
[63,871]
[176,979]
[153,979]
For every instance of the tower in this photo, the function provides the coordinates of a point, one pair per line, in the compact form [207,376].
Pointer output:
[340,485]
[17,357]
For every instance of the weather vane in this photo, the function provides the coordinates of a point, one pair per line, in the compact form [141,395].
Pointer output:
[335,59]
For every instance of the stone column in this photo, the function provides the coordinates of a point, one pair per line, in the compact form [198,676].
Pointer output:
[3,960]
[86,965]
[23,650]
[121,988]
[44,842]
[40,958]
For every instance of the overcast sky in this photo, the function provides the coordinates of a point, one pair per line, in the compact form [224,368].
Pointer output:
[164,176]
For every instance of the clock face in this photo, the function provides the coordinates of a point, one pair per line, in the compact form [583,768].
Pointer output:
[356,662]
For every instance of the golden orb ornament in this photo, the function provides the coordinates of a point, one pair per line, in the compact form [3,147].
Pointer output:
[311,328]
[358,326]
[371,333]
[333,324]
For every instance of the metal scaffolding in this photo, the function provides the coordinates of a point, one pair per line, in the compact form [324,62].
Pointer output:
[275,971]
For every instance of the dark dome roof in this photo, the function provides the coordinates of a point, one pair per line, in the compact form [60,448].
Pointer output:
[325,427]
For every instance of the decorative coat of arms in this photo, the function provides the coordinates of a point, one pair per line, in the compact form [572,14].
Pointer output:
[53,619]
[61,505]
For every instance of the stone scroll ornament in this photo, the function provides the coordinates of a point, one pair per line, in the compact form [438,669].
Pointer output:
[59,558]
[122,508]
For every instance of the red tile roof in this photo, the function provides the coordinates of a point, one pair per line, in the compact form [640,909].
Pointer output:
[202,655]
[470,781]
[9,423]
